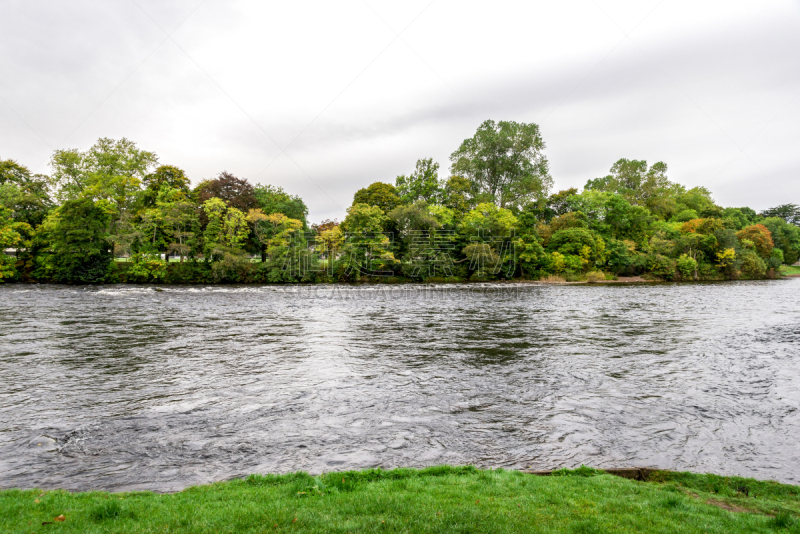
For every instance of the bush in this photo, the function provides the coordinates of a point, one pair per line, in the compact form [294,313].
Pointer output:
[147,268]
[595,276]
[661,266]
[687,266]
[752,265]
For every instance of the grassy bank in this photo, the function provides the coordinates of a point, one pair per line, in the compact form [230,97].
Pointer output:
[440,499]
[788,270]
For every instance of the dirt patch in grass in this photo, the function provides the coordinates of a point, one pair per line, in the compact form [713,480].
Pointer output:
[728,506]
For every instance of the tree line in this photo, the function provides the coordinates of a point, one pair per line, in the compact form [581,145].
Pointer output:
[113,213]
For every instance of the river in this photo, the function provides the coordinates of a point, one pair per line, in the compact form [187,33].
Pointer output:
[160,388]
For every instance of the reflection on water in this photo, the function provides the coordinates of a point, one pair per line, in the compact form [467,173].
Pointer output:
[127,387]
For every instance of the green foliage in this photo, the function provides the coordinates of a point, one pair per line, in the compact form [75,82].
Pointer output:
[110,172]
[788,212]
[272,199]
[661,266]
[752,265]
[379,195]
[493,218]
[166,176]
[147,268]
[458,195]
[582,248]
[687,266]
[226,230]
[79,242]
[785,237]
[421,185]
[506,162]
[25,195]
[488,219]
[640,185]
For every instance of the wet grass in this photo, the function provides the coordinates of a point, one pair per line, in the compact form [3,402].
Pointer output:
[438,499]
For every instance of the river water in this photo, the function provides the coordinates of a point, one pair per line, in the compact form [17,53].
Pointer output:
[134,387]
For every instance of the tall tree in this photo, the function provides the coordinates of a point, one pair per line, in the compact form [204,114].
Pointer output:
[788,212]
[378,194]
[235,192]
[272,199]
[24,194]
[505,161]
[421,185]
[166,175]
[640,185]
[79,242]
[110,172]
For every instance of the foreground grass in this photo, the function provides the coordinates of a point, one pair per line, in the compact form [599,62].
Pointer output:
[439,499]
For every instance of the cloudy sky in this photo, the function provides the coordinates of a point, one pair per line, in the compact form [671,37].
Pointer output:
[323,98]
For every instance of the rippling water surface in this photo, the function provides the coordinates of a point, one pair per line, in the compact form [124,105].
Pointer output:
[130,387]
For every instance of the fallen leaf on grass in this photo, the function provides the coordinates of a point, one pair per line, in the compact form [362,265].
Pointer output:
[36,501]
[60,518]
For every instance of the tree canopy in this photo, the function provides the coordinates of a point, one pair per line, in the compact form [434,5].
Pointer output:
[113,213]
[505,162]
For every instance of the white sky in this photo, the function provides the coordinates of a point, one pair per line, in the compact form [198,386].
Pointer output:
[323,98]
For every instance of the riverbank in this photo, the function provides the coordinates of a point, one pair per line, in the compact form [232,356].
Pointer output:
[437,499]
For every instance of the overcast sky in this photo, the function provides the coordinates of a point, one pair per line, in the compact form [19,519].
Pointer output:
[323,98]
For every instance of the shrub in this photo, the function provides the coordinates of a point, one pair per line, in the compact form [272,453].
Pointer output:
[687,266]
[553,279]
[595,276]
[752,265]
[573,263]
[147,268]
[662,267]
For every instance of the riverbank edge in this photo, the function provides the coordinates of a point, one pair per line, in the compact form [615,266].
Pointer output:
[436,499]
[622,280]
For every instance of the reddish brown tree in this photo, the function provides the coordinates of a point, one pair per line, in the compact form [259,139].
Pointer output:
[327,224]
[235,192]
[761,238]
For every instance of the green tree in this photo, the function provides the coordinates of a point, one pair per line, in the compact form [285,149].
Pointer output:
[788,212]
[506,162]
[490,220]
[24,194]
[738,218]
[579,242]
[167,176]
[458,195]
[378,194]
[785,237]
[366,248]
[640,185]
[226,230]
[421,185]
[110,172]
[79,242]
[272,199]
[11,236]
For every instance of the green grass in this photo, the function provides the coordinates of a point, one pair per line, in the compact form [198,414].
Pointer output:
[438,499]
[790,269]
